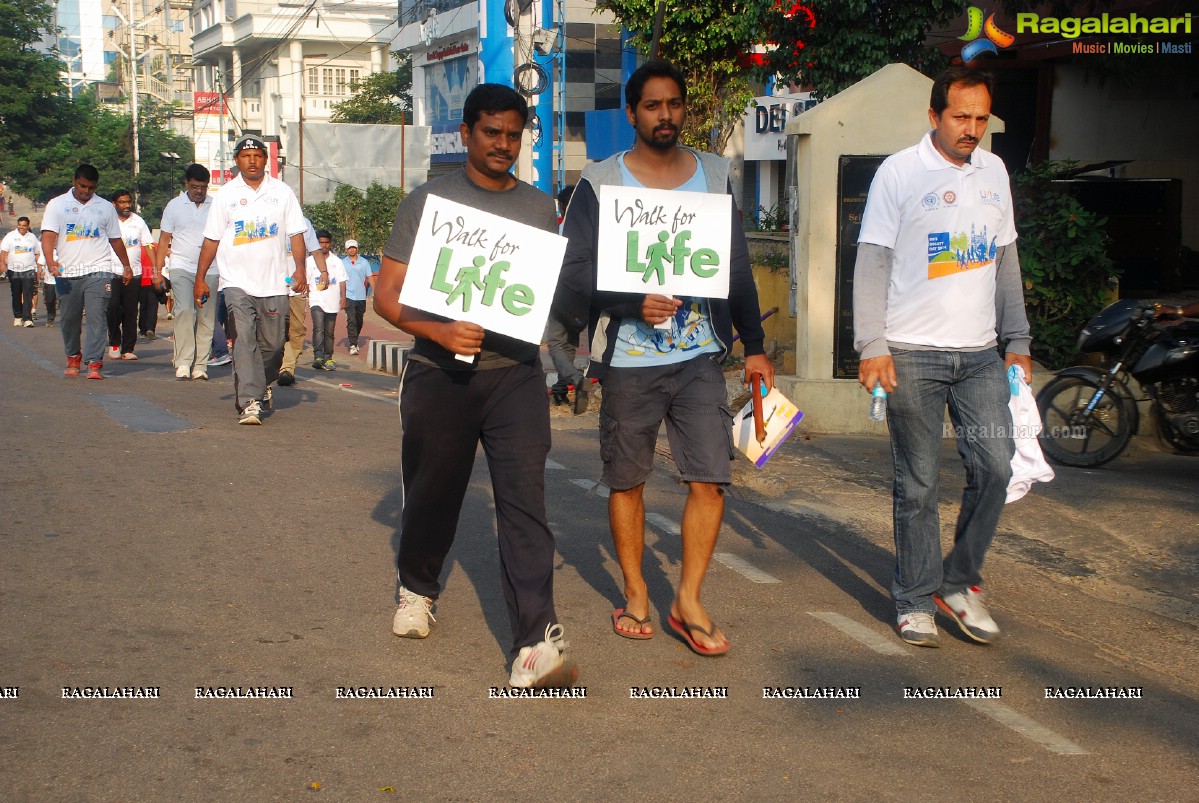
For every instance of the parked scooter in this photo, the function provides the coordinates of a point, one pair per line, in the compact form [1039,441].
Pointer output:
[1090,414]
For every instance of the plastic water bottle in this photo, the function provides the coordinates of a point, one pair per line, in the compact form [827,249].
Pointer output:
[878,403]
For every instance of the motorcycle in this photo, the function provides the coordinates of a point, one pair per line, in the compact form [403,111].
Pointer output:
[1090,414]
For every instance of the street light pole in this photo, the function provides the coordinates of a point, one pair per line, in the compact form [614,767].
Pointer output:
[133,74]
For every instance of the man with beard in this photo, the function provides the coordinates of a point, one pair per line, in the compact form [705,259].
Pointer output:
[650,375]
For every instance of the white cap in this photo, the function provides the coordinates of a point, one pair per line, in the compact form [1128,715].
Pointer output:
[351,243]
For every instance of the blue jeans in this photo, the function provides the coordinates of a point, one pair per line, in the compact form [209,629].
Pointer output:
[973,385]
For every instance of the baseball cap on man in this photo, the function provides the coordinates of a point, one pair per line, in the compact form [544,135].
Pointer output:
[248,142]
[351,243]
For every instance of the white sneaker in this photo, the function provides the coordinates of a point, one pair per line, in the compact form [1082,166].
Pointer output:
[542,665]
[200,373]
[967,609]
[918,628]
[28,324]
[114,352]
[251,415]
[413,616]
[182,373]
[16,321]
[353,350]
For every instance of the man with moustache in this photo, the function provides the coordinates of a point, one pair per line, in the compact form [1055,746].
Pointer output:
[936,288]
[648,375]
[448,406]
[80,232]
[248,229]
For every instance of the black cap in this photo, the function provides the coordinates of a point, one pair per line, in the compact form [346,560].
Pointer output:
[248,143]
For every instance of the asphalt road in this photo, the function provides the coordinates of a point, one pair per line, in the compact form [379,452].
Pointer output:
[151,542]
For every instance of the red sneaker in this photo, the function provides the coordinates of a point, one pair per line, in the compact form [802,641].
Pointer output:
[93,370]
[73,364]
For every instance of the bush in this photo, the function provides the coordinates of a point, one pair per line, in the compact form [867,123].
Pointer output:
[1063,257]
[352,214]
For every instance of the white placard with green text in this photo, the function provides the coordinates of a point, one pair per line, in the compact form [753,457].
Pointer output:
[663,241]
[469,265]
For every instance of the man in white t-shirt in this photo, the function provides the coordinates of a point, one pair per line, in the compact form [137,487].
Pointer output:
[247,231]
[124,301]
[326,299]
[78,228]
[19,253]
[182,236]
[936,288]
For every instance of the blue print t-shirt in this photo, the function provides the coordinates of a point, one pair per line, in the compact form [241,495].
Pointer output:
[638,344]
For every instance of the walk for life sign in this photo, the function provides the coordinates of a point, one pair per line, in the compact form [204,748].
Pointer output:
[469,265]
[664,242]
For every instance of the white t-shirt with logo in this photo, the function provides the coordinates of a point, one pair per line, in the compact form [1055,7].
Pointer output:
[136,234]
[253,227]
[943,224]
[328,299]
[311,245]
[185,222]
[23,250]
[84,232]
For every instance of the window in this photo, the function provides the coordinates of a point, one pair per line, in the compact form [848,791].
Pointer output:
[331,81]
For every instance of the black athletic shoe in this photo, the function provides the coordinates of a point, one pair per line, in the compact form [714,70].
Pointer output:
[286,378]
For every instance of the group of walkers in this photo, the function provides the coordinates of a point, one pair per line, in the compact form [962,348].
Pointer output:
[927,335]
[95,251]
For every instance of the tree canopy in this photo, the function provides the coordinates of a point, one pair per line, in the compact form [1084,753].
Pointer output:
[706,39]
[382,97]
[352,214]
[832,44]
[45,134]
[824,44]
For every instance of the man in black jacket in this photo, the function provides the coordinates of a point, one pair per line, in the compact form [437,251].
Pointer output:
[650,374]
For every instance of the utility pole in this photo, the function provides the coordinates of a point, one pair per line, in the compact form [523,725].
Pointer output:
[522,37]
[133,75]
[220,142]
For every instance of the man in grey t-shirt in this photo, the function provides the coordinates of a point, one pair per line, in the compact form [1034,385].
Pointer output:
[447,407]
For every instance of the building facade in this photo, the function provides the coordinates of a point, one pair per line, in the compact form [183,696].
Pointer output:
[279,64]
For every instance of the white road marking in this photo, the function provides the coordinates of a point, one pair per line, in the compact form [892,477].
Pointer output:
[745,568]
[375,396]
[587,485]
[859,632]
[1026,727]
[553,464]
[664,524]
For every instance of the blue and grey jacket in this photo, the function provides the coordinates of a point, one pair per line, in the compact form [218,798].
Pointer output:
[578,304]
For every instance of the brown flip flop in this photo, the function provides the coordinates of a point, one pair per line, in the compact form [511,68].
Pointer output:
[621,613]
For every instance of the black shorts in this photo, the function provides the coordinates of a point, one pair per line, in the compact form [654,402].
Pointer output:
[691,398]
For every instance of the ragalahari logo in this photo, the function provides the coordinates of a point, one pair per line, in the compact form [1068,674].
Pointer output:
[989,32]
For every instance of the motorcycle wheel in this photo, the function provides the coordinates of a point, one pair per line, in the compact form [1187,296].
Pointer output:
[1072,437]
